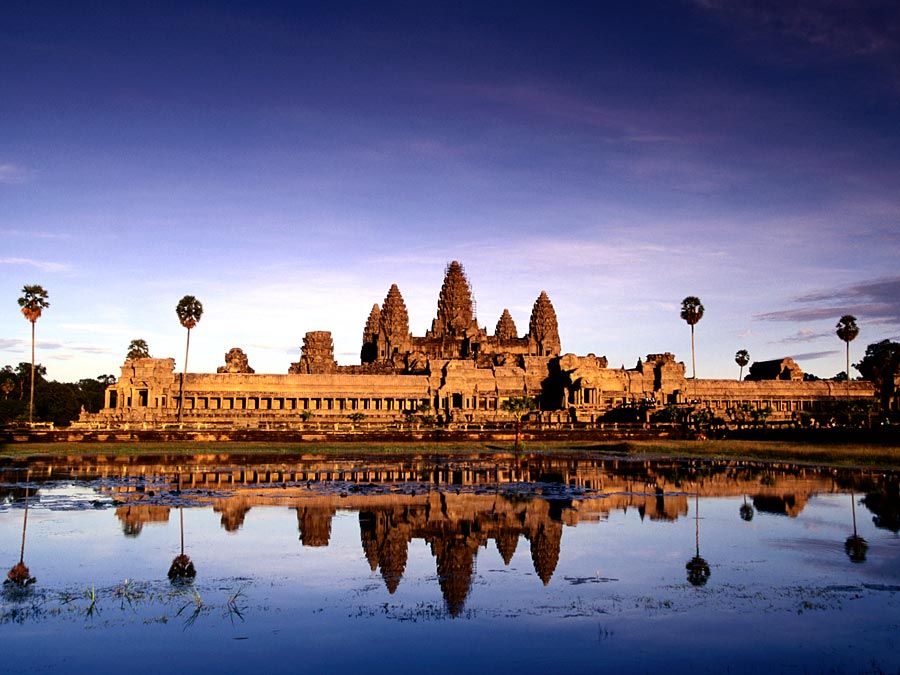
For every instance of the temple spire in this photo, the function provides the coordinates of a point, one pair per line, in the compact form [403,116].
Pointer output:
[506,327]
[394,325]
[369,352]
[543,330]
[456,308]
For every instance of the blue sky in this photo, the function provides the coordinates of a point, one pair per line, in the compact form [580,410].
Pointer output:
[287,163]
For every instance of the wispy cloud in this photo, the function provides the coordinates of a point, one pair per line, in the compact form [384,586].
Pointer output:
[35,234]
[45,265]
[876,301]
[803,335]
[846,27]
[19,345]
[11,174]
[811,356]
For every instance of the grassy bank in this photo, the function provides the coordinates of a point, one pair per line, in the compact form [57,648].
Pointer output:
[868,455]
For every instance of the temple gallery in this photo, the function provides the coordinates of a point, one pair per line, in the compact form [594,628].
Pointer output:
[455,372]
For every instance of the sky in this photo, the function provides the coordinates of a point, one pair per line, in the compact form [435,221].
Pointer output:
[286,163]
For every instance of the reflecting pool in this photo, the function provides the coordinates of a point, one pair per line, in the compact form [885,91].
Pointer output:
[447,564]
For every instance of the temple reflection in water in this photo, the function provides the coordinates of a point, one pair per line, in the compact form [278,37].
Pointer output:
[454,506]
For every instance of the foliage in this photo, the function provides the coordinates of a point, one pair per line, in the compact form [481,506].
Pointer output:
[847,330]
[691,310]
[137,349]
[33,302]
[670,414]
[742,358]
[189,311]
[879,365]
[518,406]
[56,402]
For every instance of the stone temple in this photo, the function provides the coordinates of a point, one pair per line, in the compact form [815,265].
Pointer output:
[456,371]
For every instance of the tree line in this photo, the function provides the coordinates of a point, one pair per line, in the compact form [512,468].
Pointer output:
[61,402]
[56,402]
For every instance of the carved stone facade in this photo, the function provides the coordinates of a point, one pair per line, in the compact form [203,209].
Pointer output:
[236,362]
[316,355]
[456,371]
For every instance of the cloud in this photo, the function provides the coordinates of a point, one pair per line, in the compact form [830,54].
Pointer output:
[803,335]
[876,301]
[811,356]
[11,174]
[35,234]
[19,345]
[44,265]
[856,28]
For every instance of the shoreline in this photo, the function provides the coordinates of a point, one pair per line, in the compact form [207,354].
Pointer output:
[862,454]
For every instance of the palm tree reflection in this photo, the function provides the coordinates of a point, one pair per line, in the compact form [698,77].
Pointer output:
[746,510]
[697,568]
[19,573]
[855,546]
[182,569]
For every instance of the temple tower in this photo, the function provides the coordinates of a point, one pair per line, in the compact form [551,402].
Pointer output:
[393,331]
[316,354]
[543,330]
[369,351]
[456,308]
[506,327]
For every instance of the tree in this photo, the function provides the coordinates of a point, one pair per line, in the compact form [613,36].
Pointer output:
[33,302]
[137,349]
[879,366]
[189,311]
[518,407]
[847,330]
[742,358]
[692,312]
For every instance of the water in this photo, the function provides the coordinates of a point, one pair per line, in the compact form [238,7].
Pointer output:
[481,563]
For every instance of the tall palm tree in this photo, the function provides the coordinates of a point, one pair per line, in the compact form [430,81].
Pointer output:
[692,312]
[847,330]
[33,302]
[742,358]
[855,546]
[19,573]
[137,349]
[189,311]
[697,568]
[182,569]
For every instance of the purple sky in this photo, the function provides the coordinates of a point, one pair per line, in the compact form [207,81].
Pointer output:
[287,163]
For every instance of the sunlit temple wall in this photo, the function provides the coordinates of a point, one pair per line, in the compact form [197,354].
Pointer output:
[455,372]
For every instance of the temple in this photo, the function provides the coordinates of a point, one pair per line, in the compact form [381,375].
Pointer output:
[455,372]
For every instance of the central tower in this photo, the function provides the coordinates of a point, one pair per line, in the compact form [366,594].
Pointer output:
[456,308]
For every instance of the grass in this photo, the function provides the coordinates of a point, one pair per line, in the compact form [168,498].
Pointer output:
[841,454]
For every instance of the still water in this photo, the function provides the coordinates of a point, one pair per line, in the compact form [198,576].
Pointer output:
[478,563]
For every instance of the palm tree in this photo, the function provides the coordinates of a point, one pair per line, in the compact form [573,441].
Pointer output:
[19,574]
[33,302]
[847,330]
[518,407]
[692,312]
[855,546]
[742,358]
[137,349]
[746,510]
[189,311]
[697,568]
[182,569]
